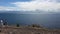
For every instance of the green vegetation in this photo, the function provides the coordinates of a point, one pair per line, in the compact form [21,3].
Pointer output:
[35,25]
[17,25]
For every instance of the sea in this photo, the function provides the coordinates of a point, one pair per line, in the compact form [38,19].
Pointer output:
[51,21]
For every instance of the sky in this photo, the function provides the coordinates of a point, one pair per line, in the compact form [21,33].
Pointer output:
[30,5]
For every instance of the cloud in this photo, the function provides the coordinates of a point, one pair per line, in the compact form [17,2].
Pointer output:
[46,5]
[3,8]
[40,5]
[47,0]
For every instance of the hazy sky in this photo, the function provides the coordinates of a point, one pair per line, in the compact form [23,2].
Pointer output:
[30,5]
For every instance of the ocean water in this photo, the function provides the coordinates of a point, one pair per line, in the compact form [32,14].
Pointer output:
[46,20]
